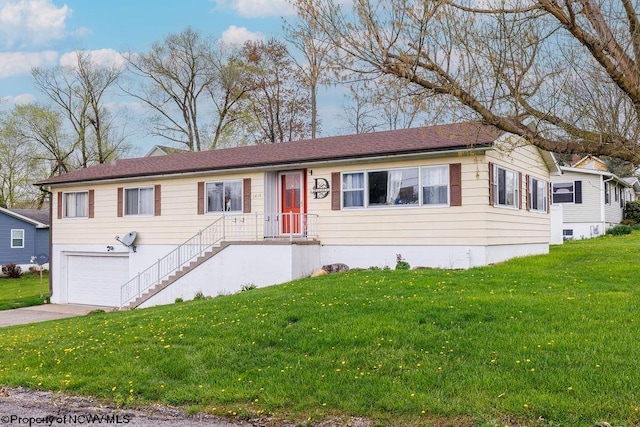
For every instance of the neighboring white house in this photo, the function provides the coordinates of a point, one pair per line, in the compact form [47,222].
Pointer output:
[451,196]
[592,198]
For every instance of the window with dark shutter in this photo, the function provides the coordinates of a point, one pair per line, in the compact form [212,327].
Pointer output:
[91,203]
[201,198]
[455,182]
[246,195]
[157,200]
[335,191]
[578,191]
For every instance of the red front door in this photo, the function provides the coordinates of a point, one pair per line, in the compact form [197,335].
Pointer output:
[292,201]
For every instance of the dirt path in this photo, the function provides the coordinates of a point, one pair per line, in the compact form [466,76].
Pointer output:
[22,407]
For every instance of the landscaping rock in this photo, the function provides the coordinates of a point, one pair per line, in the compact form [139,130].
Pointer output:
[318,272]
[335,268]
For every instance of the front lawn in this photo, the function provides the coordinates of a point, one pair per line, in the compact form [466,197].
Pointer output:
[23,292]
[538,341]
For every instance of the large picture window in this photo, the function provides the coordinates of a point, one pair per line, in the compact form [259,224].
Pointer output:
[138,201]
[426,186]
[224,196]
[538,195]
[505,187]
[393,187]
[76,205]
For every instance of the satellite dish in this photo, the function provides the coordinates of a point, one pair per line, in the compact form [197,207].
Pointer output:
[42,259]
[128,240]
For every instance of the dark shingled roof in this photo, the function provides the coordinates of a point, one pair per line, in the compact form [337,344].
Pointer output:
[38,215]
[396,142]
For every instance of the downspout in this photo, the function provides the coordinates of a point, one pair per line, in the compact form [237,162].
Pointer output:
[50,238]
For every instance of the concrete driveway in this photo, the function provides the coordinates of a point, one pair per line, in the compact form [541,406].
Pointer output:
[42,313]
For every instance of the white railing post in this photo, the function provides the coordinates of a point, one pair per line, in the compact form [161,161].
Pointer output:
[224,228]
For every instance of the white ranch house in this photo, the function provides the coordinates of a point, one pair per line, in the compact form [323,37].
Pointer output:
[589,198]
[450,196]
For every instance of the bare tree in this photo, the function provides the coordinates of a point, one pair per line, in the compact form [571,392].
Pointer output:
[18,169]
[314,47]
[507,63]
[173,77]
[278,105]
[42,129]
[228,92]
[79,91]
[359,114]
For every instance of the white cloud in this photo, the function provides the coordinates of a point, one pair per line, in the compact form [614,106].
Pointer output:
[28,23]
[17,63]
[239,35]
[258,8]
[101,57]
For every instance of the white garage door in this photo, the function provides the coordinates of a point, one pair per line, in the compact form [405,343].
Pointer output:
[96,280]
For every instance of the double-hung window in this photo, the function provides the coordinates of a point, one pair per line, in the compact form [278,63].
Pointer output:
[17,238]
[76,204]
[353,190]
[224,196]
[435,185]
[138,201]
[505,182]
[537,195]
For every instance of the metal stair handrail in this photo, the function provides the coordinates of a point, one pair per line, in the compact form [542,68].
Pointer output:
[233,227]
[193,248]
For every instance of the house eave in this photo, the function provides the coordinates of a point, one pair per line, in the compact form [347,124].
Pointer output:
[460,151]
[604,174]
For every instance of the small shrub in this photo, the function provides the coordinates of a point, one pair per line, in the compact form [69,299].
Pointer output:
[401,264]
[178,300]
[619,230]
[12,271]
[248,287]
[632,211]
[199,296]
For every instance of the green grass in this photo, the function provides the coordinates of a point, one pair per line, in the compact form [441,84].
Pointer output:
[23,292]
[547,340]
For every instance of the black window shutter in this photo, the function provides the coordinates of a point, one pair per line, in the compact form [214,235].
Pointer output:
[577,187]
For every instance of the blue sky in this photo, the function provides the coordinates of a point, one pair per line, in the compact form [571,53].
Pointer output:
[41,32]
